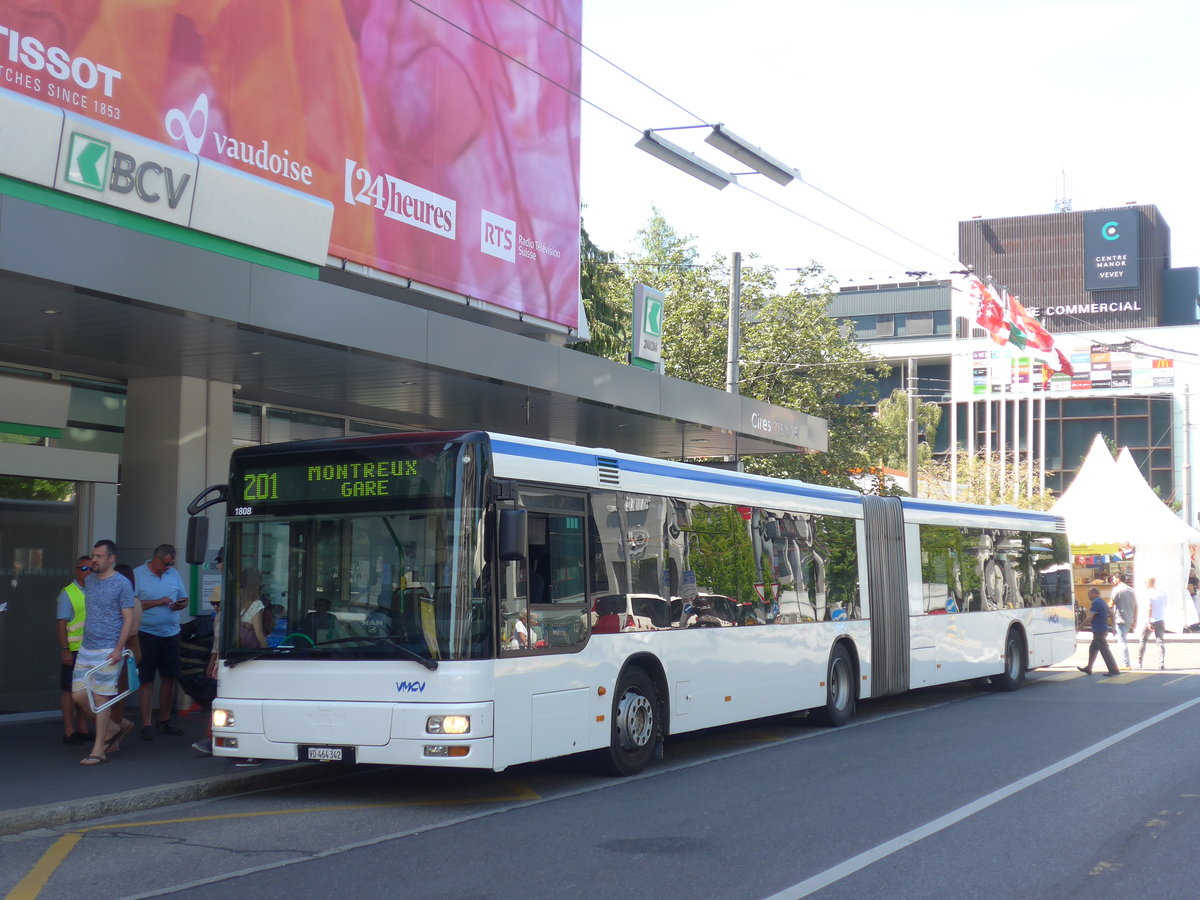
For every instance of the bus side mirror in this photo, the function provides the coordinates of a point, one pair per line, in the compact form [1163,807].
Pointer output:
[197,540]
[514,527]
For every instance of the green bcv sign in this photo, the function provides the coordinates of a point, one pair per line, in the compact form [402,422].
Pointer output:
[647,327]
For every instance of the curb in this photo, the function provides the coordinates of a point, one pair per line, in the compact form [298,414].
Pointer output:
[15,821]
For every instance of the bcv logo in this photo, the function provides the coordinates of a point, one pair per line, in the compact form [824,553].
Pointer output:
[88,166]
[410,687]
[498,236]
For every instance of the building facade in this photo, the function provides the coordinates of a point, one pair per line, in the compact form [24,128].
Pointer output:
[1101,282]
[196,255]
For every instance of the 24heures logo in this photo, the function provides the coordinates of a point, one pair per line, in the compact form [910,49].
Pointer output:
[93,163]
[400,200]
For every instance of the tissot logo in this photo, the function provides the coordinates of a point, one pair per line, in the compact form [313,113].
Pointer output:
[87,162]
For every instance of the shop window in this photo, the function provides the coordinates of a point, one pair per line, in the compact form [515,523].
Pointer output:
[247,424]
[38,529]
[290,425]
[1131,406]
[1160,420]
[1163,483]
[1133,432]
[918,324]
[1086,408]
[1078,435]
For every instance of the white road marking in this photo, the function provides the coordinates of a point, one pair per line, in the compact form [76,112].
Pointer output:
[869,857]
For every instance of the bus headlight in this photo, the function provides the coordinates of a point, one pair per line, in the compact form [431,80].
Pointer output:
[448,725]
[222,718]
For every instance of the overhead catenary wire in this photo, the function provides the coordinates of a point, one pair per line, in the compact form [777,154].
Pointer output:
[697,117]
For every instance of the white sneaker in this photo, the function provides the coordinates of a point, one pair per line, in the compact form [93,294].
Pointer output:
[248,763]
[204,746]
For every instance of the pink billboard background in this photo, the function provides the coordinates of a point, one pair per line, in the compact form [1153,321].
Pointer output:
[445,132]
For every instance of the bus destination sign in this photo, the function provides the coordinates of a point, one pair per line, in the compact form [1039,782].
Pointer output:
[319,481]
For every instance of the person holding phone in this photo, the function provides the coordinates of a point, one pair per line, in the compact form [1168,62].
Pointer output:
[162,594]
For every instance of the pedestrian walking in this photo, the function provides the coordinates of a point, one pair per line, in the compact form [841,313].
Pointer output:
[1124,604]
[1098,618]
[106,628]
[1155,606]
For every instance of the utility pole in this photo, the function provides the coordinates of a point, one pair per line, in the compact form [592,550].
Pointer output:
[912,427]
[734,336]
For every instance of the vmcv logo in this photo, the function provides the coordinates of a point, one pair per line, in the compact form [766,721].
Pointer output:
[88,166]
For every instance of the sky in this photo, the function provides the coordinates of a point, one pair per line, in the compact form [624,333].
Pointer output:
[918,114]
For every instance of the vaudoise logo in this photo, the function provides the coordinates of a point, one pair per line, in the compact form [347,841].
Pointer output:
[191,128]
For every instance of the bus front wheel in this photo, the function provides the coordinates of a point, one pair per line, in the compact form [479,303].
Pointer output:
[1014,663]
[839,690]
[635,730]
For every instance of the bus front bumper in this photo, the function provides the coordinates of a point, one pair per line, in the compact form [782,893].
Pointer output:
[415,734]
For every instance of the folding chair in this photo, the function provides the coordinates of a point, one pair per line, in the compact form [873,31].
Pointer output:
[131,671]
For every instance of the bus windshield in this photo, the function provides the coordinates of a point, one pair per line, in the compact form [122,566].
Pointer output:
[391,575]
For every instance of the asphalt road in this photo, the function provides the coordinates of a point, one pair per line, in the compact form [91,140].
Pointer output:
[1073,786]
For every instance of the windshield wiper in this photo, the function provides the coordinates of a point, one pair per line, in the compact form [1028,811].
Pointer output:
[413,655]
[426,661]
[231,662]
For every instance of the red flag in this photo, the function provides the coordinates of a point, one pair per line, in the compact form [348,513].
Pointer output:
[1035,334]
[989,314]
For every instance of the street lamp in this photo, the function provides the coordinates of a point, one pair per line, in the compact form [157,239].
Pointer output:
[747,154]
[684,160]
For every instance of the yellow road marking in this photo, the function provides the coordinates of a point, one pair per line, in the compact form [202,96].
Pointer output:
[31,885]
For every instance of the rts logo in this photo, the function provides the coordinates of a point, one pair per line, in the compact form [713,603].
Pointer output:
[498,236]
[88,166]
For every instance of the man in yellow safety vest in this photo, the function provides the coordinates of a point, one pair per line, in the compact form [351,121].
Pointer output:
[71,614]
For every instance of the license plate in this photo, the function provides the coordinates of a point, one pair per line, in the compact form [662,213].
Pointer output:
[327,754]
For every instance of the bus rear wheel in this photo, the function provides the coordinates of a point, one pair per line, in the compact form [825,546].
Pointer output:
[839,690]
[1014,663]
[636,729]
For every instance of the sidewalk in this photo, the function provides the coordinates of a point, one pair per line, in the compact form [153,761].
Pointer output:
[45,784]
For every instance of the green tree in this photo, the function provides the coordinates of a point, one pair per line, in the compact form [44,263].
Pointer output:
[892,414]
[792,353]
[604,287]
[988,480]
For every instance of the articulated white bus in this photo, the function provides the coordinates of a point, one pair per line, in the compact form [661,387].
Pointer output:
[479,600]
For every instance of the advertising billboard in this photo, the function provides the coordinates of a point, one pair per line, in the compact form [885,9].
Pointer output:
[445,133]
[1111,250]
[1097,367]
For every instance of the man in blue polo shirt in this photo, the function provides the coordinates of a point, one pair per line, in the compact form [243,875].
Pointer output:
[162,595]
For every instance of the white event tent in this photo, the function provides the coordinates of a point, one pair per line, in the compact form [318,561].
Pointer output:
[1109,502]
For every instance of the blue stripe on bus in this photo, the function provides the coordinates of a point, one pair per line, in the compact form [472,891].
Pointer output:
[652,467]
[942,507]
[577,457]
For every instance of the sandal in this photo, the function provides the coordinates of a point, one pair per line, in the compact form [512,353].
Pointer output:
[114,742]
[93,760]
[165,727]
